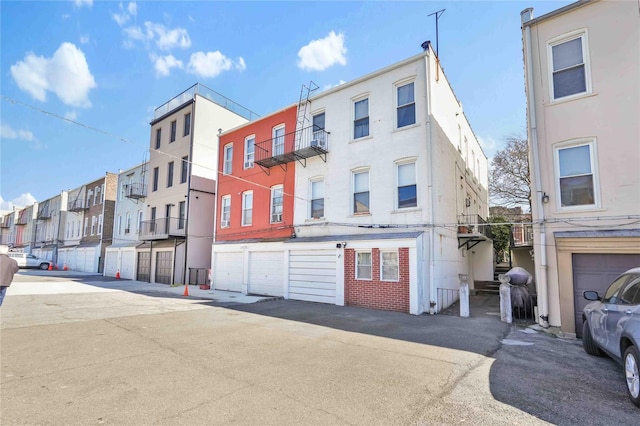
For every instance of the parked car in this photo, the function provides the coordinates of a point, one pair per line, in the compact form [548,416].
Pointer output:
[27,260]
[611,325]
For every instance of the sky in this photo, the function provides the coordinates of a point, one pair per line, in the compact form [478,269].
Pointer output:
[80,79]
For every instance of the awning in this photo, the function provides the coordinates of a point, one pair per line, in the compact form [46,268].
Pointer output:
[160,244]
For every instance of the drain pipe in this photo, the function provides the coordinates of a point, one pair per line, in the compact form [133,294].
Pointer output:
[432,234]
[540,250]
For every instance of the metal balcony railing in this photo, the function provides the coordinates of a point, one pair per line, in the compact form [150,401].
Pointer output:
[77,205]
[135,190]
[298,145]
[44,214]
[521,235]
[162,228]
[474,224]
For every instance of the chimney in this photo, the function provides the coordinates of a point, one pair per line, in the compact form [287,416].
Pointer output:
[526,15]
[425,45]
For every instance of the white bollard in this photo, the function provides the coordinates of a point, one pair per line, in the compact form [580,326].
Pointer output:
[464,295]
[505,299]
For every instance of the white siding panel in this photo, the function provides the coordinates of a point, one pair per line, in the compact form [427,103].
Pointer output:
[227,271]
[312,275]
[266,272]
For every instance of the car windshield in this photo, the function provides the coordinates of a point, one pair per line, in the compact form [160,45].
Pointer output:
[612,291]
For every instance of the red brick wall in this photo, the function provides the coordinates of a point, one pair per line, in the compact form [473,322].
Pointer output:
[376,294]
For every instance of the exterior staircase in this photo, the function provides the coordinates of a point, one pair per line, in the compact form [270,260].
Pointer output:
[490,287]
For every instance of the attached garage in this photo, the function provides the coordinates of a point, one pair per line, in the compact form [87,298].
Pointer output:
[596,272]
[266,273]
[312,275]
[228,271]
[111,263]
[144,266]
[164,267]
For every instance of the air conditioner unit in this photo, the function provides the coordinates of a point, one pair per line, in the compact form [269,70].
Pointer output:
[319,143]
[126,230]
[276,218]
[248,164]
[224,223]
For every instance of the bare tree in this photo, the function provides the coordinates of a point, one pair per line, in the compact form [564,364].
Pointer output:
[509,181]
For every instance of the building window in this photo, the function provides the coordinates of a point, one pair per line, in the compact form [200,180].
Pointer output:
[93,225]
[388,265]
[319,135]
[170,174]
[185,169]
[407,192]
[363,265]
[228,159]
[152,227]
[249,151]
[187,124]
[247,208]
[225,220]
[406,105]
[317,199]
[86,226]
[100,225]
[119,224]
[361,119]
[276,203]
[361,192]
[278,140]
[173,132]
[181,214]
[139,221]
[569,71]
[156,170]
[127,225]
[158,137]
[576,179]
[96,199]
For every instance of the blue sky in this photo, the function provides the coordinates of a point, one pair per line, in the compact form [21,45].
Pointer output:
[107,65]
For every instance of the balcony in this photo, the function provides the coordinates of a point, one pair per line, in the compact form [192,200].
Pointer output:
[160,229]
[522,235]
[44,214]
[77,205]
[294,146]
[472,230]
[135,190]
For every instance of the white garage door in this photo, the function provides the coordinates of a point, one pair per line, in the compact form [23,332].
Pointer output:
[227,271]
[111,263]
[266,272]
[87,259]
[127,264]
[312,275]
[63,256]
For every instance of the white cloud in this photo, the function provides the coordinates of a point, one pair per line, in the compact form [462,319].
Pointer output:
[23,200]
[168,39]
[121,18]
[84,39]
[211,64]
[66,74]
[163,64]
[489,146]
[71,115]
[132,8]
[7,132]
[330,86]
[125,14]
[320,54]
[80,3]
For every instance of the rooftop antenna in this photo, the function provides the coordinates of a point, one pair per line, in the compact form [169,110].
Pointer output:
[438,15]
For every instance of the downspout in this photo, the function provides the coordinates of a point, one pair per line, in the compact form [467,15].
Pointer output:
[539,251]
[187,206]
[430,200]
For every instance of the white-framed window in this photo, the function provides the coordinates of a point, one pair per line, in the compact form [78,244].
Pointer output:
[102,194]
[181,214]
[361,118]
[568,65]
[100,225]
[360,191]
[187,124]
[249,151]
[319,135]
[317,199]
[406,105]
[407,188]
[127,224]
[576,181]
[389,265]
[363,265]
[227,168]
[276,203]
[86,226]
[139,225]
[225,219]
[93,225]
[278,140]
[247,208]
[96,199]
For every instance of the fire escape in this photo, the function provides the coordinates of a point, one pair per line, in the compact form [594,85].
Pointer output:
[305,142]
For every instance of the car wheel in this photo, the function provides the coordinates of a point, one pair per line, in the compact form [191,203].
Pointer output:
[631,360]
[588,344]
[44,266]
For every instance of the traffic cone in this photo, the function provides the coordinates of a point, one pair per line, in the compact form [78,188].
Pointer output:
[65,267]
[118,275]
[50,267]
[186,290]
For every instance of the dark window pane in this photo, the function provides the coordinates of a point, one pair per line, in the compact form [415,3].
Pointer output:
[361,128]
[407,115]
[407,196]
[317,208]
[576,191]
[569,82]
[361,202]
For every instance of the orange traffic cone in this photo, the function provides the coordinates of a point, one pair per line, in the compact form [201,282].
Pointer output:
[65,267]
[186,290]
[50,266]
[118,274]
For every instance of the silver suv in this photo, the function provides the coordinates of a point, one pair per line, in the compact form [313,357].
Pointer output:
[611,325]
[27,260]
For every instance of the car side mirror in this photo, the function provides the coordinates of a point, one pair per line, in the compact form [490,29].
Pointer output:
[590,295]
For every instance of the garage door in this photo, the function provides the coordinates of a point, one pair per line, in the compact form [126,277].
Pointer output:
[163,267]
[312,275]
[144,266]
[111,263]
[86,259]
[127,264]
[596,272]
[227,271]
[266,272]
